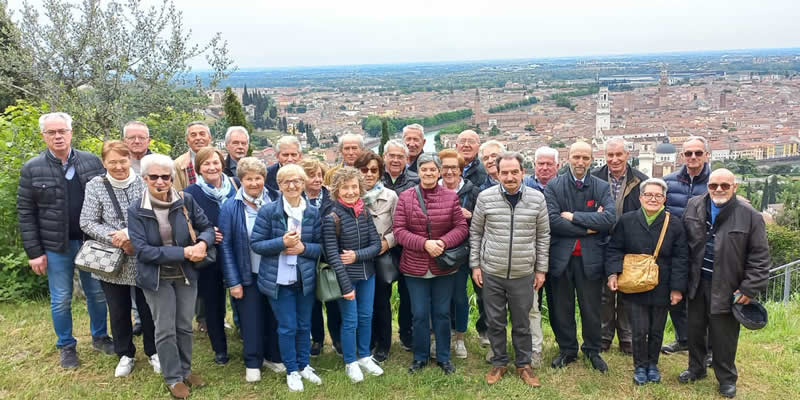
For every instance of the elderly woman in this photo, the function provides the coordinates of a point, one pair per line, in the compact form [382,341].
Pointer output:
[351,243]
[240,266]
[452,165]
[104,220]
[638,232]
[430,287]
[381,203]
[210,192]
[318,197]
[287,236]
[159,226]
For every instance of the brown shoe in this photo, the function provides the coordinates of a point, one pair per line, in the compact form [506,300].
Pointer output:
[194,381]
[626,348]
[179,390]
[495,374]
[527,375]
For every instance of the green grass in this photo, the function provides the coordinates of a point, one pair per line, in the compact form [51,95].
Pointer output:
[768,362]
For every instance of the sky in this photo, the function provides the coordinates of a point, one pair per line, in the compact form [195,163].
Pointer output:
[286,33]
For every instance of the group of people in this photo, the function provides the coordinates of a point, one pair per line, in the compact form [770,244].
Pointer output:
[208,226]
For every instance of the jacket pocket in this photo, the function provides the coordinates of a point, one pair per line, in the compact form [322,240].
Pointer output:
[45,190]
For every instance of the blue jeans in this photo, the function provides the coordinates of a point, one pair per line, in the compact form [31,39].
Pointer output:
[459,309]
[357,321]
[60,270]
[430,301]
[293,311]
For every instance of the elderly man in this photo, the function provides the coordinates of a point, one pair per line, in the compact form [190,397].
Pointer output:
[414,139]
[581,216]
[288,151]
[488,153]
[728,259]
[687,182]
[198,135]
[49,203]
[397,176]
[136,135]
[545,164]
[510,218]
[467,144]
[237,142]
[351,145]
[624,183]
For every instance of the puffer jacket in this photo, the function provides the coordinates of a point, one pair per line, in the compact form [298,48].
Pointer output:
[476,173]
[447,224]
[42,199]
[681,187]
[468,196]
[406,180]
[510,243]
[234,250]
[354,233]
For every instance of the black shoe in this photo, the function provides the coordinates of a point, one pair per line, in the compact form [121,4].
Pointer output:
[728,391]
[137,329]
[626,348]
[104,344]
[709,359]
[416,366]
[688,376]
[605,346]
[562,360]
[68,357]
[380,355]
[221,358]
[447,367]
[406,343]
[674,347]
[337,347]
[639,376]
[597,362]
[316,349]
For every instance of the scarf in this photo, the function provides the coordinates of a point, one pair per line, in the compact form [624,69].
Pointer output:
[372,194]
[317,201]
[357,207]
[295,213]
[259,201]
[217,194]
[651,219]
[122,184]
[287,274]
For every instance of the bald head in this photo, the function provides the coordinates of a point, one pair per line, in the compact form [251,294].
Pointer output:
[468,144]
[580,158]
[721,186]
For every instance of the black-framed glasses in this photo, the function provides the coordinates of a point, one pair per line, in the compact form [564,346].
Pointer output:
[652,196]
[696,153]
[154,177]
[723,186]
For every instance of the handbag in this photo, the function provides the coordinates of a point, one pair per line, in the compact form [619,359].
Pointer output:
[211,250]
[450,258]
[100,258]
[328,288]
[386,268]
[640,271]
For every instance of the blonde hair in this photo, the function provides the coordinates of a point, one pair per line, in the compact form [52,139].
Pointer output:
[310,166]
[116,146]
[291,170]
[250,165]
[343,175]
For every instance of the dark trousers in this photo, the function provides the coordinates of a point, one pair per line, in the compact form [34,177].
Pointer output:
[723,331]
[381,317]
[679,316]
[212,290]
[480,324]
[404,315]
[318,324]
[500,298]
[258,339]
[614,317]
[118,298]
[561,292]
[647,329]
[430,303]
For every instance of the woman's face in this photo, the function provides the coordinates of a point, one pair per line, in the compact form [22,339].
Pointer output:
[652,198]
[159,180]
[253,184]
[349,191]
[428,175]
[451,173]
[371,174]
[292,186]
[211,169]
[117,165]
[314,183]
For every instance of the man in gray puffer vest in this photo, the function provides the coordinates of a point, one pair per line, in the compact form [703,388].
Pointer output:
[510,245]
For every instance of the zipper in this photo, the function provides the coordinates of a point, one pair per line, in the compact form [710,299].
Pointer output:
[510,242]
[358,230]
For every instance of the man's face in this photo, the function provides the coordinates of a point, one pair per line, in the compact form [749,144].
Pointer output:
[197,137]
[394,159]
[414,141]
[721,187]
[137,139]
[489,160]
[510,174]
[467,145]
[694,154]
[237,145]
[617,159]
[351,150]
[289,154]
[545,167]
[580,158]
[57,136]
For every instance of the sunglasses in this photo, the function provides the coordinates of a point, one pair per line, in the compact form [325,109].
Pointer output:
[696,153]
[723,186]
[155,178]
[373,170]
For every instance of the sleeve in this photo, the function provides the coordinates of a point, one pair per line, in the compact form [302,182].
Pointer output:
[91,221]
[263,240]
[476,233]
[145,252]
[558,225]
[542,240]
[28,215]
[405,237]
[598,221]
[374,247]
[330,242]
[679,271]
[459,232]
[756,267]
[389,236]
[230,271]
[312,250]
[615,252]
[200,223]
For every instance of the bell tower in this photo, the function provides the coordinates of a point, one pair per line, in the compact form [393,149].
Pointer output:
[603,118]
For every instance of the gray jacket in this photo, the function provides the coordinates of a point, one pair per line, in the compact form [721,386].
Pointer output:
[510,243]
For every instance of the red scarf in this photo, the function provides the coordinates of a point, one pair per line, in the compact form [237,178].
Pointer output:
[357,207]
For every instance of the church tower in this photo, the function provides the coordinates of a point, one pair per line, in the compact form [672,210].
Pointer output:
[663,82]
[477,117]
[603,119]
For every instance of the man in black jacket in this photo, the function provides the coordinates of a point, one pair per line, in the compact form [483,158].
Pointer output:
[467,144]
[237,142]
[49,203]
[581,216]
[288,151]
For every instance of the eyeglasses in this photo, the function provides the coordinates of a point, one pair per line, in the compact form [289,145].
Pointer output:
[651,196]
[373,170]
[450,167]
[696,153]
[137,138]
[467,141]
[724,186]
[293,182]
[155,178]
[54,132]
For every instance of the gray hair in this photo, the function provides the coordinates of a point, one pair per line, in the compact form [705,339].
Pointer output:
[492,143]
[510,155]
[134,123]
[617,140]
[250,165]
[348,136]
[700,138]
[157,160]
[287,140]
[414,127]
[654,181]
[396,143]
[195,123]
[429,157]
[233,129]
[53,116]
[546,151]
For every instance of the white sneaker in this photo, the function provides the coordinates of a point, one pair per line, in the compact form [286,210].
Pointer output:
[275,367]
[461,349]
[370,366]
[484,341]
[308,374]
[155,363]
[252,374]
[354,372]
[295,382]
[124,367]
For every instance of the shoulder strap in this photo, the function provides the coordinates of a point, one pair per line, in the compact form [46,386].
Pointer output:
[337,223]
[663,232]
[114,201]
[424,209]
[188,221]
[233,182]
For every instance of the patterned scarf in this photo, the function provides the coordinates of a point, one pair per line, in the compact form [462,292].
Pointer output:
[372,194]
[259,201]
[219,194]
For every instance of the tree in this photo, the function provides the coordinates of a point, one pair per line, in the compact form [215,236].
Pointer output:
[494,131]
[780,169]
[384,136]
[311,139]
[301,126]
[15,79]
[285,124]
[234,115]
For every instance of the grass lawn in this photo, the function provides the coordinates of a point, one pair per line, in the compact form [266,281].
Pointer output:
[768,364]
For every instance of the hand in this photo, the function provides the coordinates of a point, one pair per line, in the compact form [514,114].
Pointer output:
[466,213]
[39,264]
[567,215]
[612,282]
[351,295]
[675,297]
[348,256]
[600,209]
[118,238]
[384,246]
[433,248]
[299,248]
[196,252]
[217,235]
[128,248]
[538,280]
[742,298]
[290,239]
[237,292]
[591,231]
[477,276]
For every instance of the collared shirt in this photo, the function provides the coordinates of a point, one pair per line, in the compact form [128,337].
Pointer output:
[466,168]
[67,168]
[616,184]
[574,179]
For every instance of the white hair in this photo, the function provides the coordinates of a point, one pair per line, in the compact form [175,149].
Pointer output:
[137,124]
[414,127]
[349,136]
[654,181]
[195,123]
[53,116]
[617,140]
[287,140]
[700,138]
[157,160]
[546,151]
[233,129]
[396,143]
[492,143]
